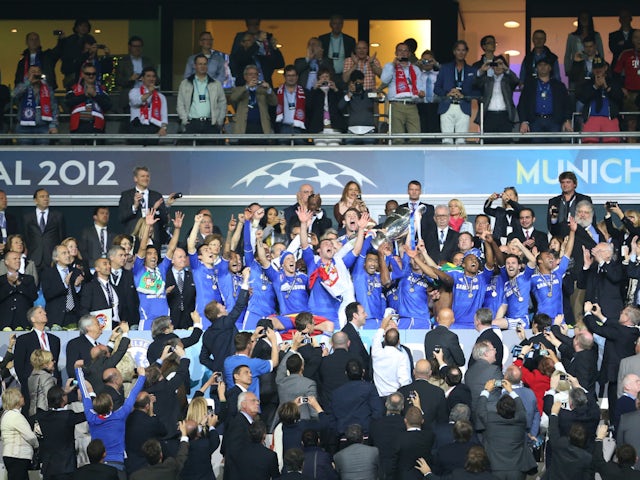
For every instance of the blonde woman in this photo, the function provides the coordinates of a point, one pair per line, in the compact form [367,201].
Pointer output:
[458,217]
[204,440]
[77,262]
[18,440]
[40,380]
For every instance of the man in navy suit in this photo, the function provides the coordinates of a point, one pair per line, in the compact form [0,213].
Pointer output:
[61,289]
[414,190]
[454,85]
[528,234]
[43,230]
[356,317]
[79,348]
[96,240]
[8,223]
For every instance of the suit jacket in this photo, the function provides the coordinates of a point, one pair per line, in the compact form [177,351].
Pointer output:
[358,402]
[12,226]
[16,300]
[55,293]
[125,71]
[527,103]
[254,461]
[568,461]
[333,374]
[239,98]
[383,434]
[240,58]
[561,228]
[427,221]
[451,456]
[541,239]
[25,345]
[90,244]
[357,461]
[409,446]
[292,386]
[40,245]
[58,442]
[460,394]
[434,405]
[476,377]
[129,219]
[501,221]
[604,286]
[587,415]
[509,82]
[160,341]
[611,470]
[140,428]
[448,340]
[128,298]
[629,431]
[315,110]
[357,348]
[491,336]
[618,44]
[303,68]
[78,348]
[168,469]
[93,297]
[198,465]
[447,80]
[96,471]
[181,318]
[584,366]
[348,45]
[627,365]
[94,369]
[432,244]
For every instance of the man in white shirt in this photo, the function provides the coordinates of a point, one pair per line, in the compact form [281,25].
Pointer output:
[391,366]
[96,240]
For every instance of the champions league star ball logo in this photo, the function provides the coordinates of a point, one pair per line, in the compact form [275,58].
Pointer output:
[138,350]
[286,172]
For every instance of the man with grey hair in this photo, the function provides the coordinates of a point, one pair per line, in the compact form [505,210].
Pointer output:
[482,370]
[251,103]
[442,241]
[80,347]
[236,435]
[432,401]
[603,278]
[384,431]
[61,284]
[162,333]
[122,282]
[357,461]
[482,322]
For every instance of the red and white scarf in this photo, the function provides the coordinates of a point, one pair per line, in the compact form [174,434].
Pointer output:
[96,111]
[299,116]
[155,114]
[403,87]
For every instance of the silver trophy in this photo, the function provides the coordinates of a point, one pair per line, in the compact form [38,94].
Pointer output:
[396,225]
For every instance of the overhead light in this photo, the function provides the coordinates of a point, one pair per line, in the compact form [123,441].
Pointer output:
[511,24]
[278,45]
[280,71]
[375,45]
[14,30]
[575,23]
[97,30]
[512,53]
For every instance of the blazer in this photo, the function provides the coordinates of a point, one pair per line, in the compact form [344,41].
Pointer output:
[12,225]
[629,431]
[125,71]
[491,336]
[611,470]
[292,386]
[604,286]
[198,465]
[40,245]
[94,369]
[449,342]
[315,110]
[358,402]
[447,80]
[78,348]
[254,461]
[25,345]
[18,439]
[55,294]
[155,348]
[501,222]
[90,245]
[348,44]
[427,221]
[129,219]
[240,58]
[541,239]
[383,434]
[332,374]
[181,318]
[509,82]
[476,377]
[128,298]
[303,68]
[409,446]
[39,383]
[93,297]
[357,348]
[16,300]
[140,427]
[568,462]
[57,445]
[627,365]
[459,394]
[357,461]
[168,469]
[96,471]
[561,228]
[434,405]
[432,244]
[618,44]
[527,103]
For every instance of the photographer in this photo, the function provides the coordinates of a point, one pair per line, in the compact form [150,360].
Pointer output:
[37,107]
[359,105]
[428,111]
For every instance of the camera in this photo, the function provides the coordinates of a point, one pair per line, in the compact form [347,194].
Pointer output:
[172,349]
[516,350]
[57,33]
[611,204]
[493,64]
[593,308]
[403,59]
[563,376]
[437,349]
[325,84]
[554,210]
[306,340]
[425,62]
[395,317]
[217,376]
[74,383]
[498,383]
[177,195]
[412,394]
[304,399]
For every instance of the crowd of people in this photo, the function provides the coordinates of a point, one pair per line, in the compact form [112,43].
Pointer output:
[334,88]
[277,308]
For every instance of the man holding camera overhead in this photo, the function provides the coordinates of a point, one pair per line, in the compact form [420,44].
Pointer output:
[38,109]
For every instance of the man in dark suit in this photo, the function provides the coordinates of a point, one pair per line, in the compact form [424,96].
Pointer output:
[441,242]
[441,336]
[8,223]
[181,291]
[162,332]
[457,392]
[254,460]
[96,469]
[560,207]
[620,469]
[357,460]
[158,467]
[96,240]
[43,230]
[142,425]
[99,293]
[130,66]
[356,317]
[105,357]
[79,348]
[34,340]
[432,401]
[527,233]
[482,370]
[236,436]
[416,442]
[603,278]
[311,63]
[17,294]
[579,356]
[61,289]
[122,281]
[337,45]
[620,39]
[136,202]
[384,431]
[629,433]
[482,320]
[569,459]
[414,190]
[332,371]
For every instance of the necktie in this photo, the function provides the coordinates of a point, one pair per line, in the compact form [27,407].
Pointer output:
[589,232]
[143,205]
[429,89]
[43,224]
[43,339]
[115,277]
[103,239]
[180,282]
[526,235]
[441,237]
[70,302]
[109,293]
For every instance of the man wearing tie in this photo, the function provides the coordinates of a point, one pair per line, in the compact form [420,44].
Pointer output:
[527,234]
[43,231]
[428,111]
[181,291]
[61,289]
[79,348]
[441,242]
[99,294]
[135,203]
[8,223]
[414,190]
[96,240]
[122,282]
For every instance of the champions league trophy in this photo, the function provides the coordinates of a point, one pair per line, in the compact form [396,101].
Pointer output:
[397,225]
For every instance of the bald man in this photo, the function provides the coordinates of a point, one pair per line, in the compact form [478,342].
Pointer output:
[333,367]
[432,399]
[441,336]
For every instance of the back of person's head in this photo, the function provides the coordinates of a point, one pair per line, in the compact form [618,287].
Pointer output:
[577,398]
[159,325]
[293,460]
[96,451]
[356,75]
[103,404]
[353,434]
[484,316]
[506,407]
[513,374]
[413,417]
[289,413]
[477,460]
[394,403]
[303,320]
[241,341]
[340,340]
[546,366]
[542,321]
[577,435]
[257,431]
[480,349]
[462,431]
[392,337]
[152,451]
[453,376]
[143,400]
[626,455]
[55,397]
[460,411]
[295,364]
[310,438]
[354,370]
[153,374]
[211,311]
[40,358]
